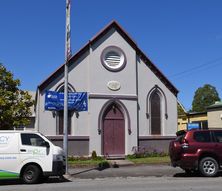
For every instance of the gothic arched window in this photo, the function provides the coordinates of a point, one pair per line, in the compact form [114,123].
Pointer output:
[60,117]
[155,105]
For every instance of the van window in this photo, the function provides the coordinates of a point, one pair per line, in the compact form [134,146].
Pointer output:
[202,136]
[32,139]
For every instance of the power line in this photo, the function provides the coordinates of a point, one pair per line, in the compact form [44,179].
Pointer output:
[204,66]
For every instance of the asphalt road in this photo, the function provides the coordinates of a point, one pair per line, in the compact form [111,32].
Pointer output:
[130,178]
[125,184]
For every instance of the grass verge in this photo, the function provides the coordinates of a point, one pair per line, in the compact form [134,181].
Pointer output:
[137,161]
[85,163]
[151,160]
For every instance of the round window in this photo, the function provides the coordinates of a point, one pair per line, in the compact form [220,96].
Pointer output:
[113,58]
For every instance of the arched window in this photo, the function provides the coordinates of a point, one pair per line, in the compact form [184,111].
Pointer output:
[156,110]
[60,115]
[60,122]
[155,107]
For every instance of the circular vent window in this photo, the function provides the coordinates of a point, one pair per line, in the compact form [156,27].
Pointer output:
[113,58]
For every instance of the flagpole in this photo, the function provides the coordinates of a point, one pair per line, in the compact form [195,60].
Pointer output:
[67,57]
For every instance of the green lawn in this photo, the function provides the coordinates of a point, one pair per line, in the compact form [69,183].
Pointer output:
[85,163]
[136,161]
[151,160]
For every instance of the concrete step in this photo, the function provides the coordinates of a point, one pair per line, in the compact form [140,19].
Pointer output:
[118,162]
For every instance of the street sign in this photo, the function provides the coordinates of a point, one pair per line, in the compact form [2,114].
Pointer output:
[193,126]
[77,101]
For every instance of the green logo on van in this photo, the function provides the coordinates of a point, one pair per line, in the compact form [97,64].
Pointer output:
[36,152]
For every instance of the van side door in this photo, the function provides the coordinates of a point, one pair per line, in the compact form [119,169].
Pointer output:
[35,149]
[9,155]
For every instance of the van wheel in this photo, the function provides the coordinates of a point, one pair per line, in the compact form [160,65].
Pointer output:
[208,166]
[31,174]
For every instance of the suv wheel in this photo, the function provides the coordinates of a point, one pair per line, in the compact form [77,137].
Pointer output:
[208,166]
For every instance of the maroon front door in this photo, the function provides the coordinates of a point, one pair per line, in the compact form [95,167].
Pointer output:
[113,131]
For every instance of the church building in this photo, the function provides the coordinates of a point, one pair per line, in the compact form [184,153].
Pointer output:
[131,103]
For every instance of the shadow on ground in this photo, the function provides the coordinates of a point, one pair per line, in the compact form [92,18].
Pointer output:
[55,179]
[195,174]
[52,180]
[101,167]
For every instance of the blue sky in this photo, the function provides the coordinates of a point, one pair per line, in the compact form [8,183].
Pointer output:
[183,38]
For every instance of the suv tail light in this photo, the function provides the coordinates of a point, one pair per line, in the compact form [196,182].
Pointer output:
[184,143]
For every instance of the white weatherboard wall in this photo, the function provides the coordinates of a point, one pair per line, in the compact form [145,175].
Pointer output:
[215,118]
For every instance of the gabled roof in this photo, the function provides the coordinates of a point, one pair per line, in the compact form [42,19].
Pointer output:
[181,109]
[142,56]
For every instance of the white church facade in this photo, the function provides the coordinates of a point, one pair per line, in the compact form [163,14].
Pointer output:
[130,102]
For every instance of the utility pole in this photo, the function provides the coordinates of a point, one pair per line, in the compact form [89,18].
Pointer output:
[67,57]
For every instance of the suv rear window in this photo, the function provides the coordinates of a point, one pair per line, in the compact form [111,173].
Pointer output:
[202,136]
[218,136]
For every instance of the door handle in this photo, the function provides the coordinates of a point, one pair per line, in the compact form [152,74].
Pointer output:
[23,150]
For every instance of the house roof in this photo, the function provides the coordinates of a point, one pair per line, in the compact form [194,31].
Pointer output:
[181,106]
[139,52]
[196,113]
[217,104]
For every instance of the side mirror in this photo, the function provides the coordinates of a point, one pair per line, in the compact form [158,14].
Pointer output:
[47,145]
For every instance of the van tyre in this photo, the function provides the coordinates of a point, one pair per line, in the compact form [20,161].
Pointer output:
[31,174]
[208,166]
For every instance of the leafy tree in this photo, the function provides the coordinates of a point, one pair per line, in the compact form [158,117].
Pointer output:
[14,103]
[204,97]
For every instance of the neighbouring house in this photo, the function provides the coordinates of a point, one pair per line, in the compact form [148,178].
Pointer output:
[211,118]
[182,117]
[131,103]
[185,118]
[214,114]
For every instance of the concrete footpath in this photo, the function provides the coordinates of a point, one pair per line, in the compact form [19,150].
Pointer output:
[125,171]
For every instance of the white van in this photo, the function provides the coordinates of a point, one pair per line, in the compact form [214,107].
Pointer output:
[30,156]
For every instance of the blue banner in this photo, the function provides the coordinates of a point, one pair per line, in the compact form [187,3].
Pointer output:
[193,126]
[77,101]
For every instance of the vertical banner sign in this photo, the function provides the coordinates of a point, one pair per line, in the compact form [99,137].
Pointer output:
[68,33]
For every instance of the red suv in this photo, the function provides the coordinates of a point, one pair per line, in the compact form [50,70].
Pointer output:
[197,151]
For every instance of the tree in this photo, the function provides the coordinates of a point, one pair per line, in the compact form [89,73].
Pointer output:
[204,97]
[15,104]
